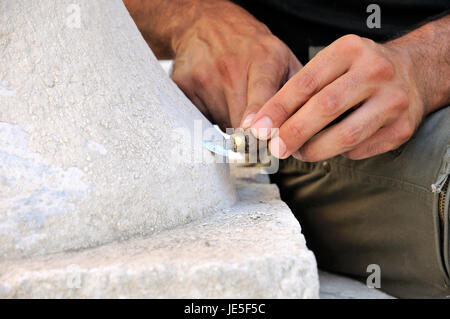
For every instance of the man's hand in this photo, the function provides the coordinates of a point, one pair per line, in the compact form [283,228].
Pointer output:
[229,64]
[384,85]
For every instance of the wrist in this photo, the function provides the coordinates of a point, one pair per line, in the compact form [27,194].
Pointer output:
[411,69]
[214,18]
[185,21]
[425,51]
[163,23]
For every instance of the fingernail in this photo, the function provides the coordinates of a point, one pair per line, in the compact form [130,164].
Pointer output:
[248,120]
[298,155]
[261,129]
[277,147]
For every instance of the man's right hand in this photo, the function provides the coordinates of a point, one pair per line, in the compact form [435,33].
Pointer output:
[228,63]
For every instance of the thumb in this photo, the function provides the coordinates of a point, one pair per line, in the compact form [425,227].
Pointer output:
[264,80]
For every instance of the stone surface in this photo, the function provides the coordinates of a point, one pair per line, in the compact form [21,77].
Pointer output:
[334,286]
[254,249]
[90,133]
[105,188]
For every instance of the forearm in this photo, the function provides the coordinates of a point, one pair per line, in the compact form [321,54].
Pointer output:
[163,22]
[428,49]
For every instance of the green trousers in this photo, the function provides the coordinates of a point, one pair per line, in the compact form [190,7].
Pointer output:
[383,210]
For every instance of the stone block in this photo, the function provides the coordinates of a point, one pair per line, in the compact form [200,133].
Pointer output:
[254,249]
[90,132]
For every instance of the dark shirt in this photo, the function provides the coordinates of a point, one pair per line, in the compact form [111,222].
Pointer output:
[304,23]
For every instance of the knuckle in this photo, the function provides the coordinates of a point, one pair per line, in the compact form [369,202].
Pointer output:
[277,45]
[350,136]
[182,82]
[272,45]
[399,99]
[352,155]
[260,51]
[178,77]
[329,103]
[295,132]
[279,51]
[309,153]
[384,147]
[381,68]
[404,132]
[270,49]
[200,77]
[279,111]
[306,84]
[350,43]
[369,150]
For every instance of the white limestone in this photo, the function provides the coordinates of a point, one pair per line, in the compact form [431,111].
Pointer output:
[86,120]
[95,201]
[252,250]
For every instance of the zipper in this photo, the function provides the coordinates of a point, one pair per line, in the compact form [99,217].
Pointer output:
[442,200]
[442,185]
[442,188]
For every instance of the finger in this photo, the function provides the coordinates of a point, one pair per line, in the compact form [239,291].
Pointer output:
[323,69]
[259,93]
[357,127]
[332,101]
[190,94]
[210,92]
[201,106]
[215,102]
[294,67]
[264,80]
[200,89]
[386,139]
[232,75]
[236,99]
